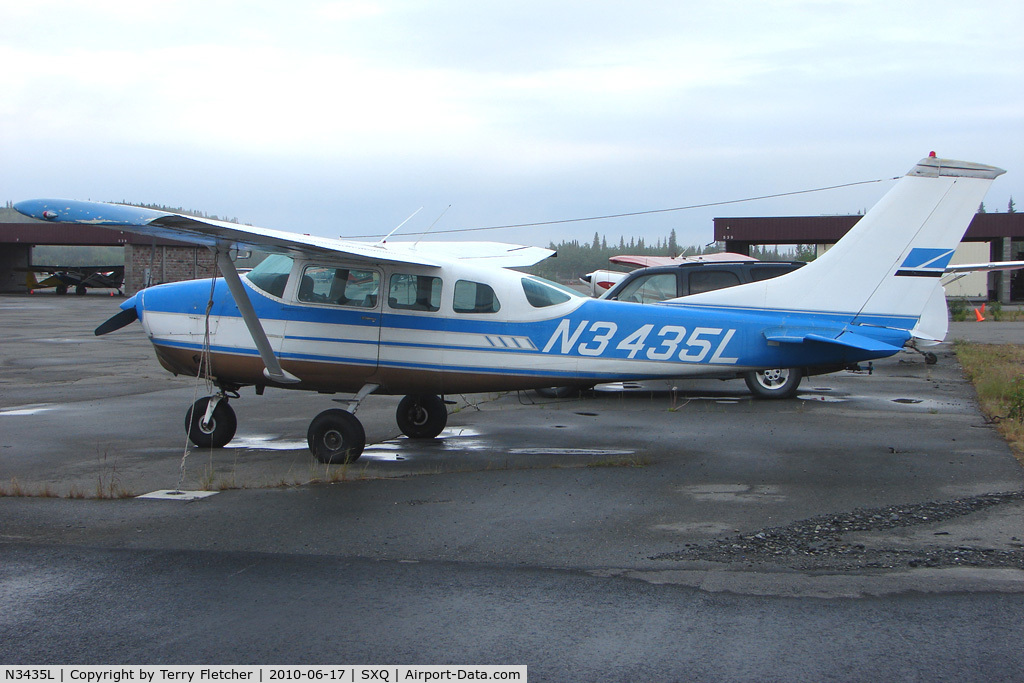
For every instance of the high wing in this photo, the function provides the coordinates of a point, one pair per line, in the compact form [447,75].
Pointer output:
[221,237]
[214,234]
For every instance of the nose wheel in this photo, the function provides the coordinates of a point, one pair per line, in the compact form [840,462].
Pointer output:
[211,427]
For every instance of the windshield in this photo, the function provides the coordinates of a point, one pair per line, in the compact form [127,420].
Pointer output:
[271,275]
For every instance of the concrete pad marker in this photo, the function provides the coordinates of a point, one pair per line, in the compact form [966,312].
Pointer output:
[168,494]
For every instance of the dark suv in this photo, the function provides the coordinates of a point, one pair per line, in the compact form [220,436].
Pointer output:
[659,283]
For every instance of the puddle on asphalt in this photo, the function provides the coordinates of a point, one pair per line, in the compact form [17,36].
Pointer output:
[267,442]
[31,409]
[462,438]
[570,451]
[822,399]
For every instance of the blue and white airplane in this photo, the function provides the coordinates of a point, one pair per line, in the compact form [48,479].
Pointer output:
[424,320]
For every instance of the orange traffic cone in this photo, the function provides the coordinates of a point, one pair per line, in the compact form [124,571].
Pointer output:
[978,315]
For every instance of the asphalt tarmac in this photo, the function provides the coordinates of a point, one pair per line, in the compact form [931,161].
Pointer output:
[869,529]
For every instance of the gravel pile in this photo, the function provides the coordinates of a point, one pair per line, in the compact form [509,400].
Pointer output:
[817,543]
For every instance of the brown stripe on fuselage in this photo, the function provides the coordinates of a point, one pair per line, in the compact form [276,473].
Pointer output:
[346,378]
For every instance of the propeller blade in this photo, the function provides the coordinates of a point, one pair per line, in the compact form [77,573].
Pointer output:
[125,317]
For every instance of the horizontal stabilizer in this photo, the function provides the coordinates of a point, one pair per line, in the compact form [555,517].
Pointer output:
[845,338]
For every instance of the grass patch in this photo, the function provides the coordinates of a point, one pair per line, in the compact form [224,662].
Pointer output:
[997,372]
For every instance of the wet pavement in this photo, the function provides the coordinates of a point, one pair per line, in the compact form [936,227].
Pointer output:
[653,532]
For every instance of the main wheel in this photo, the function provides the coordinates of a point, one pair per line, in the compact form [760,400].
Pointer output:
[336,437]
[422,416]
[774,383]
[220,429]
[80,290]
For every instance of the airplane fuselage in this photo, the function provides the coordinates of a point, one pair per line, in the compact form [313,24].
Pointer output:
[465,329]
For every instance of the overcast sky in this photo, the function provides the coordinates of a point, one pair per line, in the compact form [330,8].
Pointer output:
[342,118]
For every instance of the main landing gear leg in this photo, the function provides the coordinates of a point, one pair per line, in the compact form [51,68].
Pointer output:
[337,436]
[211,422]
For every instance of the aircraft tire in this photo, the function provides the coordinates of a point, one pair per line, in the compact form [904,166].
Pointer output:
[221,428]
[336,437]
[80,290]
[774,383]
[62,289]
[422,416]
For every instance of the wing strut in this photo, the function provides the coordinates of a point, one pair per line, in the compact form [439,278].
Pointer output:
[273,369]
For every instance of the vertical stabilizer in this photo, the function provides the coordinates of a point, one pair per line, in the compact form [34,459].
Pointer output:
[886,269]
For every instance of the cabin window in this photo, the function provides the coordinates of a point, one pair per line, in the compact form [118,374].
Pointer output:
[414,292]
[474,297]
[271,275]
[710,280]
[339,286]
[649,288]
[542,293]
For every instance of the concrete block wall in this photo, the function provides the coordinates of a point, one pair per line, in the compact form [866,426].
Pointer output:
[152,265]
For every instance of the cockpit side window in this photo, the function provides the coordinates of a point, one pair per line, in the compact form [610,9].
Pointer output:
[414,292]
[339,286]
[271,275]
[474,297]
[542,293]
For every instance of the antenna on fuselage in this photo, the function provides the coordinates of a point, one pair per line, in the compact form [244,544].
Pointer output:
[424,233]
[384,239]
